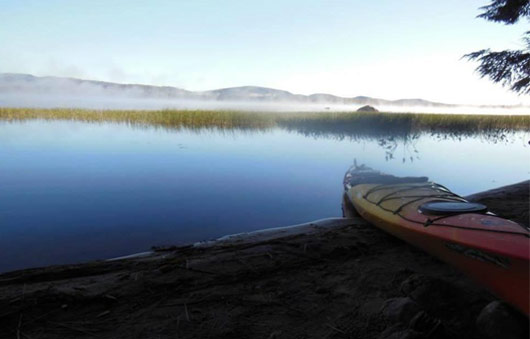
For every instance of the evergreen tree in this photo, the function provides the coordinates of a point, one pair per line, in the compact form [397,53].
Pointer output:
[510,67]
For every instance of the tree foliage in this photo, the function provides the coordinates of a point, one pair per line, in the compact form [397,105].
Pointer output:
[510,67]
[507,11]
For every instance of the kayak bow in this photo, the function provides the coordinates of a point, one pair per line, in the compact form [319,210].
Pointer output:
[493,251]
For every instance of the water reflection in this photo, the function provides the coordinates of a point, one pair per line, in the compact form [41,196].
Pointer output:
[399,141]
[73,191]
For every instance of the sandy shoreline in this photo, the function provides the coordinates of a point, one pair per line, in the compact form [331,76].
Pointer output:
[334,278]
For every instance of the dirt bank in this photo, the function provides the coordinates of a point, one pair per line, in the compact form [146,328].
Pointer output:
[336,279]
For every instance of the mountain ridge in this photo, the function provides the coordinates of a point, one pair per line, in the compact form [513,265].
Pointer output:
[27,83]
[66,85]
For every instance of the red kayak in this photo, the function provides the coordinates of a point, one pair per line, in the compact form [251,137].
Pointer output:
[493,251]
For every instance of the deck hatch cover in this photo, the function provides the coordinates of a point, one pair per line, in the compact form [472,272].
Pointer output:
[451,207]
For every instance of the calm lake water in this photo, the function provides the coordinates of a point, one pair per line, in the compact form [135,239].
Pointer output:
[73,191]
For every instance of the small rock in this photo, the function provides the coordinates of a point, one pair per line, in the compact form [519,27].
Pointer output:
[498,320]
[367,108]
[400,309]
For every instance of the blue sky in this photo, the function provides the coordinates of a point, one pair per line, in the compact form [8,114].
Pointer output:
[388,49]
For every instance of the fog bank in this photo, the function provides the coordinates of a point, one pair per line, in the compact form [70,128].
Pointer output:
[24,90]
[108,102]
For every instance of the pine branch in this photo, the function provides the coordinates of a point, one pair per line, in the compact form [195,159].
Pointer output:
[507,11]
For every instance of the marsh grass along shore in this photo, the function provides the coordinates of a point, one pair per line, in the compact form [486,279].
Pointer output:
[325,123]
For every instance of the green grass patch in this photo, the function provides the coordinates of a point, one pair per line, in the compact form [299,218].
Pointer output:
[326,123]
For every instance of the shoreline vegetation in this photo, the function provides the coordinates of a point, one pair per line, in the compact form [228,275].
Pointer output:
[341,279]
[352,124]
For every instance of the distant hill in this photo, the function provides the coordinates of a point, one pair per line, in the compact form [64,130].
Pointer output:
[28,84]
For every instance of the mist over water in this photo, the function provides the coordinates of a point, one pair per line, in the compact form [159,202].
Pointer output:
[27,91]
[140,103]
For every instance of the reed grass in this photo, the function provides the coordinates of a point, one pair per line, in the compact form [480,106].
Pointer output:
[338,124]
[166,118]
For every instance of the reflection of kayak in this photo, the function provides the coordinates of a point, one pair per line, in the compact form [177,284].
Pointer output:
[492,250]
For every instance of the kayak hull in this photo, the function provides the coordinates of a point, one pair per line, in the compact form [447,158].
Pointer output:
[491,250]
